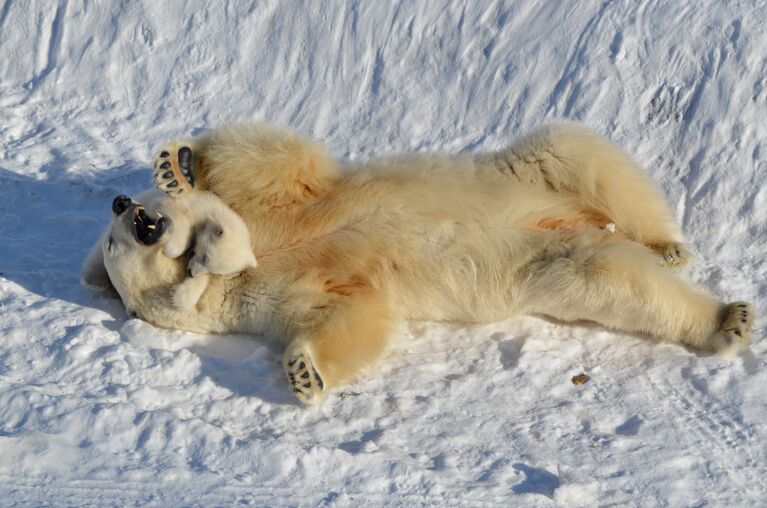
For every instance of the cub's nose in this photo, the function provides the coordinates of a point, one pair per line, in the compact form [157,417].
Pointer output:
[120,204]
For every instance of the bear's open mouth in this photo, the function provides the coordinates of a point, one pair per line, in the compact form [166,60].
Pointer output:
[148,231]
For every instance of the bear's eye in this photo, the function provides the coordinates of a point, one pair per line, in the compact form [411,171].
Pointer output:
[220,232]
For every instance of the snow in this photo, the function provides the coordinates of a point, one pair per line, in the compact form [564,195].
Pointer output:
[96,409]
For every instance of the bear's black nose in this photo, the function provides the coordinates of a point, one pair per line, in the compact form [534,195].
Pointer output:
[120,204]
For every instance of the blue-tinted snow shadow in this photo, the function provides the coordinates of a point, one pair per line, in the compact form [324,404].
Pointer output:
[358,445]
[630,427]
[254,373]
[537,481]
[49,225]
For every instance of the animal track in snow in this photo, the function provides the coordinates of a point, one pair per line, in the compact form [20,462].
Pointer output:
[667,104]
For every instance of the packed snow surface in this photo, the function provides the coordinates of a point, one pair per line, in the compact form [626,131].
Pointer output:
[97,409]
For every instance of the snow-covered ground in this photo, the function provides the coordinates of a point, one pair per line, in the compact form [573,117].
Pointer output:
[96,409]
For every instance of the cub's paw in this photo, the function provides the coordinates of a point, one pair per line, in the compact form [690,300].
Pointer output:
[198,263]
[674,254]
[174,168]
[182,298]
[305,380]
[735,331]
[186,294]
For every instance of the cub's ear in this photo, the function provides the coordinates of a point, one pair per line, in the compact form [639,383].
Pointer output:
[94,274]
[251,262]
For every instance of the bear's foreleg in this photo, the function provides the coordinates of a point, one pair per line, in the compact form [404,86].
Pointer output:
[336,342]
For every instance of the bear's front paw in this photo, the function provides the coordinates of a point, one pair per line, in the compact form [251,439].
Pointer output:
[174,170]
[735,332]
[305,380]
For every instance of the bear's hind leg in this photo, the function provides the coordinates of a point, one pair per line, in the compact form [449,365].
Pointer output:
[619,284]
[572,159]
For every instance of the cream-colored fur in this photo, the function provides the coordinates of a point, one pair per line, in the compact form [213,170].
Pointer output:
[212,235]
[345,253]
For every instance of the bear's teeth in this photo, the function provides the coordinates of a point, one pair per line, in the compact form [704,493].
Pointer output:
[151,226]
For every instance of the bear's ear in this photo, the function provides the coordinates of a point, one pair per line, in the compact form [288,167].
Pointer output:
[94,274]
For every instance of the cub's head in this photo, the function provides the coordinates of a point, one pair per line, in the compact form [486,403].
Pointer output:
[129,257]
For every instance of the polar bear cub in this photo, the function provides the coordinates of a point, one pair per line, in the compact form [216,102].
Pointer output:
[214,238]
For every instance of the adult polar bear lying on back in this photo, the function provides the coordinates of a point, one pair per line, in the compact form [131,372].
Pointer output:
[560,223]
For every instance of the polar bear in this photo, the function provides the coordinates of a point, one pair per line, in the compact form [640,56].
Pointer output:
[559,223]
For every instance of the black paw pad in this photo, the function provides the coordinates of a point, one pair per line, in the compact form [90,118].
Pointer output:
[304,379]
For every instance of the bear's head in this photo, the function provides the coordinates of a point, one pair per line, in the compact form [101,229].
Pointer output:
[129,257]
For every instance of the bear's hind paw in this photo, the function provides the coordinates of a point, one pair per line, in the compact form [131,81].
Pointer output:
[735,331]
